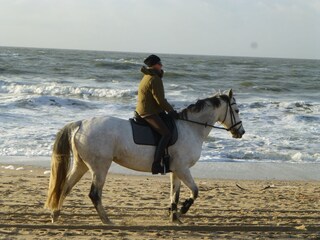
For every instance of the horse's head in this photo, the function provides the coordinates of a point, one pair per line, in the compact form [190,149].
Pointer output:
[229,116]
[225,111]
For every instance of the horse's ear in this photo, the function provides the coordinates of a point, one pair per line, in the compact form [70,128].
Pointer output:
[230,94]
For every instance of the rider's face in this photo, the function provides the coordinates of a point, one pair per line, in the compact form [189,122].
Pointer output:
[158,66]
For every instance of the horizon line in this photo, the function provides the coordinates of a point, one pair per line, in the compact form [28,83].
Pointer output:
[165,53]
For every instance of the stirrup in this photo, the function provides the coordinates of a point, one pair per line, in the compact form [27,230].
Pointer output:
[163,165]
[165,159]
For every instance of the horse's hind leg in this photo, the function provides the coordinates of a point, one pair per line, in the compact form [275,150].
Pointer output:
[98,178]
[78,170]
[175,193]
[187,179]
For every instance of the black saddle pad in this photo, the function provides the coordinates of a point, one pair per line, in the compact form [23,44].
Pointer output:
[143,134]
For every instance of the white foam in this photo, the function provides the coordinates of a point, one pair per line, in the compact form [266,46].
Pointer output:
[10,167]
[305,157]
[46,172]
[56,89]
[121,60]
[297,157]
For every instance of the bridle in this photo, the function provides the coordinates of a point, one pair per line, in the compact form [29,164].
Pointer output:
[233,119]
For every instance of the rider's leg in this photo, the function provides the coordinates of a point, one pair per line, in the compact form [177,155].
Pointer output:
[158,125]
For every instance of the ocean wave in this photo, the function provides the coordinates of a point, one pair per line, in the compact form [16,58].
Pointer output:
[247,84]
[58,102]
[15,71]
[55,89]
[175,75]
[28,151]
[265,156]
[9,54]
[258,105]
[41,101]
[241,63]
[308,119]
[117,63]
[271,89]
[305,157]
[300,107]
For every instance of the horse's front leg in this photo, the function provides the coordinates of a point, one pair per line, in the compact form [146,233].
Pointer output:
[187,179]
[175,193]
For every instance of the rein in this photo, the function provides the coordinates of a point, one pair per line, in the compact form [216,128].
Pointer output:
[225,116]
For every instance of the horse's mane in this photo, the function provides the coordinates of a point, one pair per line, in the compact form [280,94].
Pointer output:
[215,101]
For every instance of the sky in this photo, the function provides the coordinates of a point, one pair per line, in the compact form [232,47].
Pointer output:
[256,28]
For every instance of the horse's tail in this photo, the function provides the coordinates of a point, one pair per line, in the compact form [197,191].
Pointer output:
[60,164]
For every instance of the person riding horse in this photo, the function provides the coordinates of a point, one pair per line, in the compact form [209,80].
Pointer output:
[152,102]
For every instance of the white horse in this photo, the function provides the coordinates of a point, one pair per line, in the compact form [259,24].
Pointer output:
[96,142]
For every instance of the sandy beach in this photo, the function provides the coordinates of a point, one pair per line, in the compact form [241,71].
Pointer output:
[137,206]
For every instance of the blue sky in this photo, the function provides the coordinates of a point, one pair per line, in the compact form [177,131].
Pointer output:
[262,28]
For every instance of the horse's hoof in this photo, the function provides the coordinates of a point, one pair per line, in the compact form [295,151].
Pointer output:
[177,221]
[106,221]
[183,210]
[175,218]
[55,216]
[186,205]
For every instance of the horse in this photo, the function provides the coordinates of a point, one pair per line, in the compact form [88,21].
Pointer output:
[95,143]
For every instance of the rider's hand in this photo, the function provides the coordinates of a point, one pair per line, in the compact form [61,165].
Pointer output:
[174,114]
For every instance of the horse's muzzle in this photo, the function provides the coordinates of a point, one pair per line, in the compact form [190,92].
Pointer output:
[238,134]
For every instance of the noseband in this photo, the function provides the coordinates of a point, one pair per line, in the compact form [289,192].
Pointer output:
[233,120]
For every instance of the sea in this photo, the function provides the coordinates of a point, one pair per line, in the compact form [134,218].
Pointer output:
[41,90]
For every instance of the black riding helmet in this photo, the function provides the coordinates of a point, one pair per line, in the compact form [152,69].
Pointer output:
[152,60]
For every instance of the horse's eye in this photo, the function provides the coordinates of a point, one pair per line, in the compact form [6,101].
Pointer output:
[237,111]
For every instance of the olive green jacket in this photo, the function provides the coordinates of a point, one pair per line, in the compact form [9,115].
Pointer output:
[151,99]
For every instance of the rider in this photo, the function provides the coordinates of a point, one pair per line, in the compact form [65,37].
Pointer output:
[151,102]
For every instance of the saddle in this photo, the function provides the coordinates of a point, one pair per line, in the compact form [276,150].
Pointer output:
[143,134]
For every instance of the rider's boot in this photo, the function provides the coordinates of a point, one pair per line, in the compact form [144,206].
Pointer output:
[158,165]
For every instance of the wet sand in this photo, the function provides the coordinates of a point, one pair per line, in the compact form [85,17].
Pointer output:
[138,208]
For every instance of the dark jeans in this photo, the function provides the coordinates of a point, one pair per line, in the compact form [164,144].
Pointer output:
[160,127]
